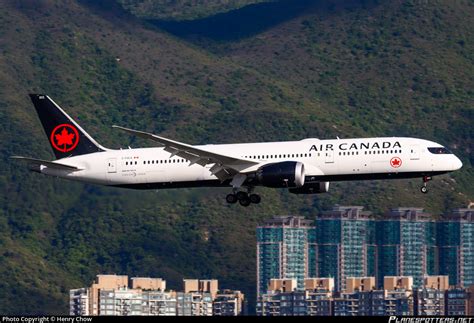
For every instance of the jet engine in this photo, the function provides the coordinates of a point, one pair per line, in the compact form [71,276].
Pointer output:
[313,188]
[284,174]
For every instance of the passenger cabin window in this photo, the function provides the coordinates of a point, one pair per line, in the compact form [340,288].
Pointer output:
[439,150]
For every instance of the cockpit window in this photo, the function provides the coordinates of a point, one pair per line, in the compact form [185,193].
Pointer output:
[439,150]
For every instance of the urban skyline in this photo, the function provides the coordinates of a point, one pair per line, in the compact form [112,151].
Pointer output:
[349,242]
[397,297]
[339,247]
[117,295]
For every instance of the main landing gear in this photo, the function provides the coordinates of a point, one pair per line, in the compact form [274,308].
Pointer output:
[244,198]
[424,189]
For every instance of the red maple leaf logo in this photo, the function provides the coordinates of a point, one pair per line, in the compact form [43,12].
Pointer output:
[395,162]
[64,140]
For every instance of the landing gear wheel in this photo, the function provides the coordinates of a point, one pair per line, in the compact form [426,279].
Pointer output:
[255,198]
[231,198]
[245,201]
[242,196]
[424,189]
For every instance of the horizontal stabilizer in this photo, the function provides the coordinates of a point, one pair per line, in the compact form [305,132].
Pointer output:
[50,164]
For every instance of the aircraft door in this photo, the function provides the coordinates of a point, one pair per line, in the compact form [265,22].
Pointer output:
[112,165]
[414,152]
[329,156]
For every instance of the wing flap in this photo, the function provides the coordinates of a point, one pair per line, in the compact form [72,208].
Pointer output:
[228,165]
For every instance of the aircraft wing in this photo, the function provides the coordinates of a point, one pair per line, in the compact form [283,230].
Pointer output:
[50,164]
[225,166]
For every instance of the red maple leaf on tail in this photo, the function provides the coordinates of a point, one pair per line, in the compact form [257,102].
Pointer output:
[64,138]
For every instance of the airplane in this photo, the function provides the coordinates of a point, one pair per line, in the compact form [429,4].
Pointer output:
[303,167]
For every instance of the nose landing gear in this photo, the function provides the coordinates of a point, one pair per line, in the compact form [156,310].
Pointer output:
[424,189]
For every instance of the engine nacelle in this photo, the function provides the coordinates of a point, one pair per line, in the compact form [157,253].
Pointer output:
[284,174]
[313,188]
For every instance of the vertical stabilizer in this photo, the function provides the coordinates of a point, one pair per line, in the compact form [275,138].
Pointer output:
[66,137]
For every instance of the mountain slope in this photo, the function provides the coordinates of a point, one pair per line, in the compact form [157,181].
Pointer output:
[324,71]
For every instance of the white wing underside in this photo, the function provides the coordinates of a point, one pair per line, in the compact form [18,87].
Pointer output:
[224,166]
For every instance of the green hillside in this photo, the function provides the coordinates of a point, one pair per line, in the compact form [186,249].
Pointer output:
[311,69]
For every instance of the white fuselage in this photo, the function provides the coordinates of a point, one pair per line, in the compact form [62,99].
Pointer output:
[324,160]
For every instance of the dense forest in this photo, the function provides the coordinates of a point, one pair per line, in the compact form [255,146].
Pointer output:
[214,72]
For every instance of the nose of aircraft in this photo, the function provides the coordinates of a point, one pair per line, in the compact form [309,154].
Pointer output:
[457,164]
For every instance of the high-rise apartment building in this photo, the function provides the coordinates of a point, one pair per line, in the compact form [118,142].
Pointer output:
[402,250]
[79,302]
[282,250]
[429,299]
[158,303]
[343,245]
[318,296]
[348,242]
[455,236]
[194,304]
[361,298]
[406,245]
[283,299]
[104,282]
[456,302]
[112,295]
[197,298]
[136,302]
[398,295]
[470,300]
[229,303]
[120,302]
[345,304]
[428,302]
[372,302]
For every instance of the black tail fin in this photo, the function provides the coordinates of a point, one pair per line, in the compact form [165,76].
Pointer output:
[66,137]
